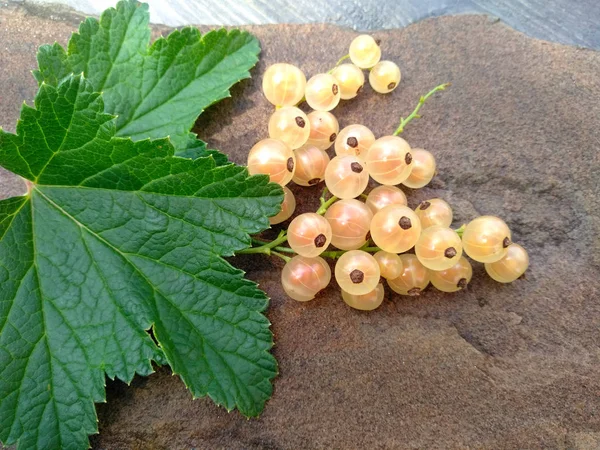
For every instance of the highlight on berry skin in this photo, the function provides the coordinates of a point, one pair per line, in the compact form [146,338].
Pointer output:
[349,220]
[311,163]
[455,278]
[274,158]
[283,84]
[423,169]
[350,80]
[511,267]
[438,248]
[354,140]
[289,125]
[302,278]
[322,92]
[288,206]
[413,279]
[390,264]
[357,272]
[384,77]
[324,128]
[309,234]
[486,239]
[365,302]
[395,228]
[346,177]
[383,196]
[389,160]
[364,51]
[434,212]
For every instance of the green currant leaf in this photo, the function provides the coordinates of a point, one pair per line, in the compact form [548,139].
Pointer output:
[115,239]
[159,90]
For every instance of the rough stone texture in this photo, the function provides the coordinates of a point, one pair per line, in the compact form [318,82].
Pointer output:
[498,366]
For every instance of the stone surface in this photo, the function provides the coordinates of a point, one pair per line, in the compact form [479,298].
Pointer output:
[498,366]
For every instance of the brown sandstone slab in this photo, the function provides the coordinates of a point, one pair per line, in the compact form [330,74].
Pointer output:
[497,366]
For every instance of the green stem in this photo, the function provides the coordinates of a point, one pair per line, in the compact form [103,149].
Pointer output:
[287,259]
[266,247]
[341,60]
[414,114]
[460,231]
[324,206]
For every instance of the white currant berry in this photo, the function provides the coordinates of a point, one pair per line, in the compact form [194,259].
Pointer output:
[486,239]
[364,51]
[413,279]
[311,163]
[357,272]
[288,207]
[389,160]
[384,77]
[283,84]
[349,220]
[309,234]
[434,212]
[290,126]
[302,278]
[346,177]
[322,92]
[365,302]
[350,80]
[324,129]
[395,228]
[453,279]
[438,248]
[423,169]
[390,264]
[511,266]
[274,158]
[354,140]
[383,196]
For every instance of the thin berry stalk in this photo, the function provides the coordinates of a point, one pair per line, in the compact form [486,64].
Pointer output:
[414,114]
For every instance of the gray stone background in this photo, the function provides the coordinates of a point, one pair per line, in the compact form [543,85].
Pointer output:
[574,22]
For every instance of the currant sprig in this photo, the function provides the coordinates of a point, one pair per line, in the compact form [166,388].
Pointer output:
[370,233]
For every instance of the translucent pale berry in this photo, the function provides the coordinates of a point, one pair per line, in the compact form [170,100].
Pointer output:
[486,239]
[322,92]
[390,264]
[453,279]
[395,228]
[384,77]
[350,80]
[274,158]
[324,129]
[357,272]
[413,279]
[302,278]
[434,212]
[438,248]
[311,163]
[287,207]
[346,177]
[283,84]
[383,196]
[354,140]
[389,160]
[290,126]
[511,266]
[365,302]
[349,220]
[364,51]
[309,234]
[423,169]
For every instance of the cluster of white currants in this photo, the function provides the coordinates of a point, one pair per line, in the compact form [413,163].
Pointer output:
[296,150]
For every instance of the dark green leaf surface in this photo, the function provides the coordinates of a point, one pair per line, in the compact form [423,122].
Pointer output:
[159,90]
[116,238]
